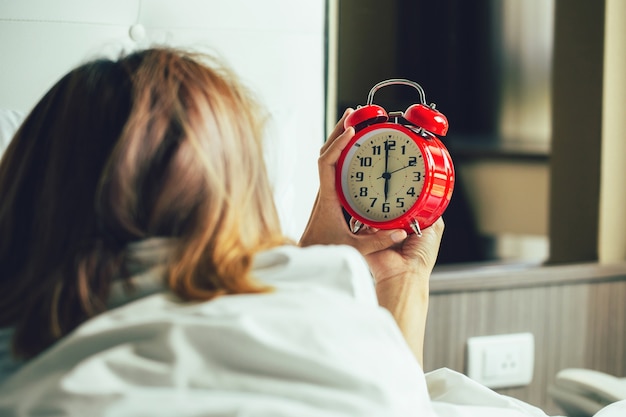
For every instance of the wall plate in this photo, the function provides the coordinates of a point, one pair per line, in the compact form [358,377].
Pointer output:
[502,360]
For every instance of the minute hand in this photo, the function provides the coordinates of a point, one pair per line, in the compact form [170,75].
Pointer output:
[399,169]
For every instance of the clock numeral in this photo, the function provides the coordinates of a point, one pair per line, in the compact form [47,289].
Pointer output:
[412,161]
[411,191]
[386,208]
[363,192]
[400,202]
[376,150]
[373,201]
[417,176]
[366,161]
[359,176]
[390,145]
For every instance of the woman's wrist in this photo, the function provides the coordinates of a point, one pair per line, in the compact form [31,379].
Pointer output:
[406,298]
[415,286]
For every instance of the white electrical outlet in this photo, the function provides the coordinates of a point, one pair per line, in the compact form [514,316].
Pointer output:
[501,361]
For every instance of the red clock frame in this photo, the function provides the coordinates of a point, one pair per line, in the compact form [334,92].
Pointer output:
[421,123]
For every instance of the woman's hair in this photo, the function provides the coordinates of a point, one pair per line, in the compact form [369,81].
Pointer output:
[160,143]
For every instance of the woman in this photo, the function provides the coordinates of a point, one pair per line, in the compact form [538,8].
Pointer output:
[145,272]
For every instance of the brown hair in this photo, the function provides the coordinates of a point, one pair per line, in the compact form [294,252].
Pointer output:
[160,143]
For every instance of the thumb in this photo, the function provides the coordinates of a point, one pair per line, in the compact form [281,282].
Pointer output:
[381,239]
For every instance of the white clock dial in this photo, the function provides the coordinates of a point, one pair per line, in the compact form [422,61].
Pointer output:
[383,174]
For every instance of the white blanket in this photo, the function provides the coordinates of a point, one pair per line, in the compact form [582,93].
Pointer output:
[317,346]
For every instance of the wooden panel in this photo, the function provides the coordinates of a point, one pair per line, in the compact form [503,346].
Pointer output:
[498,275]
[606,331]
[576,130]
[577,324]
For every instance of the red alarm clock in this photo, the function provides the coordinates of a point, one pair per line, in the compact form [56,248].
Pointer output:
[395,172]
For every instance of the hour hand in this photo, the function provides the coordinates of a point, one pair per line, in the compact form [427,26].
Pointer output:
[386,176]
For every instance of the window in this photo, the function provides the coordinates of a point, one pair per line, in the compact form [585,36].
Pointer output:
[524,86]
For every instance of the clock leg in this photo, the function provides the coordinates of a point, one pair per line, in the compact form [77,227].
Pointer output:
[355,225]
[416,227]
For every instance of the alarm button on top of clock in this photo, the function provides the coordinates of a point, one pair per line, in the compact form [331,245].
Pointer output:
[364,116]
[428,118]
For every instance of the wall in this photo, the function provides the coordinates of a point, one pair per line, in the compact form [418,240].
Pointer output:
[277,47]
[576,313]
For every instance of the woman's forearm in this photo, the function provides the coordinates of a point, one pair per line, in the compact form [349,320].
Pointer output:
[406,298]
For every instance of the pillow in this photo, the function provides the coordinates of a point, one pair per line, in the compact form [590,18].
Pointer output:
[10,120]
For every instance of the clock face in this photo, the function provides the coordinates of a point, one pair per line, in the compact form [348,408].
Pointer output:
[383,174]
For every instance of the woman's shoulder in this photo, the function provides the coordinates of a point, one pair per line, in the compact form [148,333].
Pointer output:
[317,255]
[337,267]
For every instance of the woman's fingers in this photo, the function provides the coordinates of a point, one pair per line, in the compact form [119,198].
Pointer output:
[368,241]
[327,162]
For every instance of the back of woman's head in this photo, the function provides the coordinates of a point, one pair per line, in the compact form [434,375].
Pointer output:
[159,143]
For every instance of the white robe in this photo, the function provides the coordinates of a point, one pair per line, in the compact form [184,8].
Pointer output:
[319,345]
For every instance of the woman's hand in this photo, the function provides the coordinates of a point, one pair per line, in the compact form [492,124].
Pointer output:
[415,256]
[327,224]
